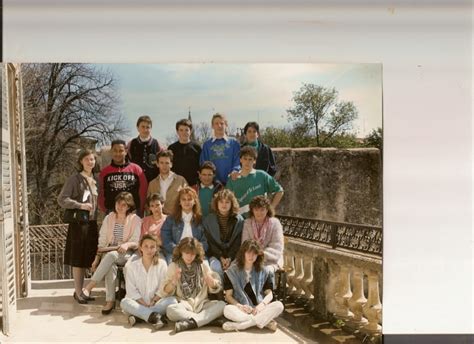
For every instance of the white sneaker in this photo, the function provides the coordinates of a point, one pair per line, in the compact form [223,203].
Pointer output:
[132,320]
[159,324]
[272,325]
[229,326]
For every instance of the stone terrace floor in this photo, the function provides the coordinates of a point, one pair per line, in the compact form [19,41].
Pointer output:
[49,314]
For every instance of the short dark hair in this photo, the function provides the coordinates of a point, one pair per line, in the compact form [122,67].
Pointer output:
[186,122]
[144,118]
[118,142]
[250,245]
[157,240]
[252,125]
[248,151]
[128,198]
[208,165]
[165,154]
[261,202]
[153,198]
[189,245]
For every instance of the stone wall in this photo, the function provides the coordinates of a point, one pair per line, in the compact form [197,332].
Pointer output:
[343,185]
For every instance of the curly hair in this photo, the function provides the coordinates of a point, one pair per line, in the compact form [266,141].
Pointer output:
[157,240]
[127,198]
[177,210]
[189,245]
[228,195]
[261,202]
[254,246]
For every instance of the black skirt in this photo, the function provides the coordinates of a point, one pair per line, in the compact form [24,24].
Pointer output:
[81,244]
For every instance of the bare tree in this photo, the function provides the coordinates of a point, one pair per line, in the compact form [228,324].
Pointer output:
[66,106]
[202,131]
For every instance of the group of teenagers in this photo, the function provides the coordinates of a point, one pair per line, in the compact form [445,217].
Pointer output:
[193,228]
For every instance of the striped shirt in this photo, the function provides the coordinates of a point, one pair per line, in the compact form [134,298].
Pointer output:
[118,234]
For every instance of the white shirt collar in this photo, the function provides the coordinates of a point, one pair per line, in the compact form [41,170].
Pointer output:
[225,137]
[208,187]
[187,217]
[170,176]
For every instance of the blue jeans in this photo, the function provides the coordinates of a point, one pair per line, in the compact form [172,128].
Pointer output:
[132,307]
[216,266]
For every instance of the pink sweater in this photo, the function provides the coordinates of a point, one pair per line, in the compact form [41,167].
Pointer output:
[272,243]
[150,226]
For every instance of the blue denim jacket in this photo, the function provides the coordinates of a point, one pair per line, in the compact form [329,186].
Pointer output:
[238,278]
[171,233]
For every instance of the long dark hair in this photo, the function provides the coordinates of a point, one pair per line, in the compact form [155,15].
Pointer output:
[250,245]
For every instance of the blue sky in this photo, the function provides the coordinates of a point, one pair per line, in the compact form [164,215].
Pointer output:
[244,92]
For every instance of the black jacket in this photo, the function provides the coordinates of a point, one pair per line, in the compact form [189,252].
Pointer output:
[265,159]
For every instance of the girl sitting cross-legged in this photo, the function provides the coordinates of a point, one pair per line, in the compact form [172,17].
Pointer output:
[190,280]
[143,278]
[248,290]
[118,238]
[186,221]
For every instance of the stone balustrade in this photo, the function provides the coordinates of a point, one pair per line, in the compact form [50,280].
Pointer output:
[335,283]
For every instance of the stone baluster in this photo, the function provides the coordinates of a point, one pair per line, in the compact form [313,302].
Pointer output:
[373,307]
[307,282]
[290,263]
[343,293]
[298,278]
[358,300]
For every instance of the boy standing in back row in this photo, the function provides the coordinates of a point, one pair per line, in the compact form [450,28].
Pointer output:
[221,150]
[143,149]
[185,153]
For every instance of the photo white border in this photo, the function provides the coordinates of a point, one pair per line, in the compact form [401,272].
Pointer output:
[426,52]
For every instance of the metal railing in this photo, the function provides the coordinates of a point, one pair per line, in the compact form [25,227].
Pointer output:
[47,243]
[360,238]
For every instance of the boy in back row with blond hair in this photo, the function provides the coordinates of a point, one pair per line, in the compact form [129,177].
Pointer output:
[221,150]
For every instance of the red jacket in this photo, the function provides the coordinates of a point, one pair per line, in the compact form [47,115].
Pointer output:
[114,179]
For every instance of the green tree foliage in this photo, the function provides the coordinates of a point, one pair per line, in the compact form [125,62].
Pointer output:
[67,106]
[374,139]
[297,137]
[317,111]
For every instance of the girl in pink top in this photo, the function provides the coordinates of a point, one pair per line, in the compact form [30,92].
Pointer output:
[152,224]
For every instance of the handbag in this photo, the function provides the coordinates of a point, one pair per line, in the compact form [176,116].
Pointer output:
[75,216]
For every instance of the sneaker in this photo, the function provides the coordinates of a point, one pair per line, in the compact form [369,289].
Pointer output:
[184,325]
[218,322]
[132,320]
[229,326]
[159,324]
[272,325]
